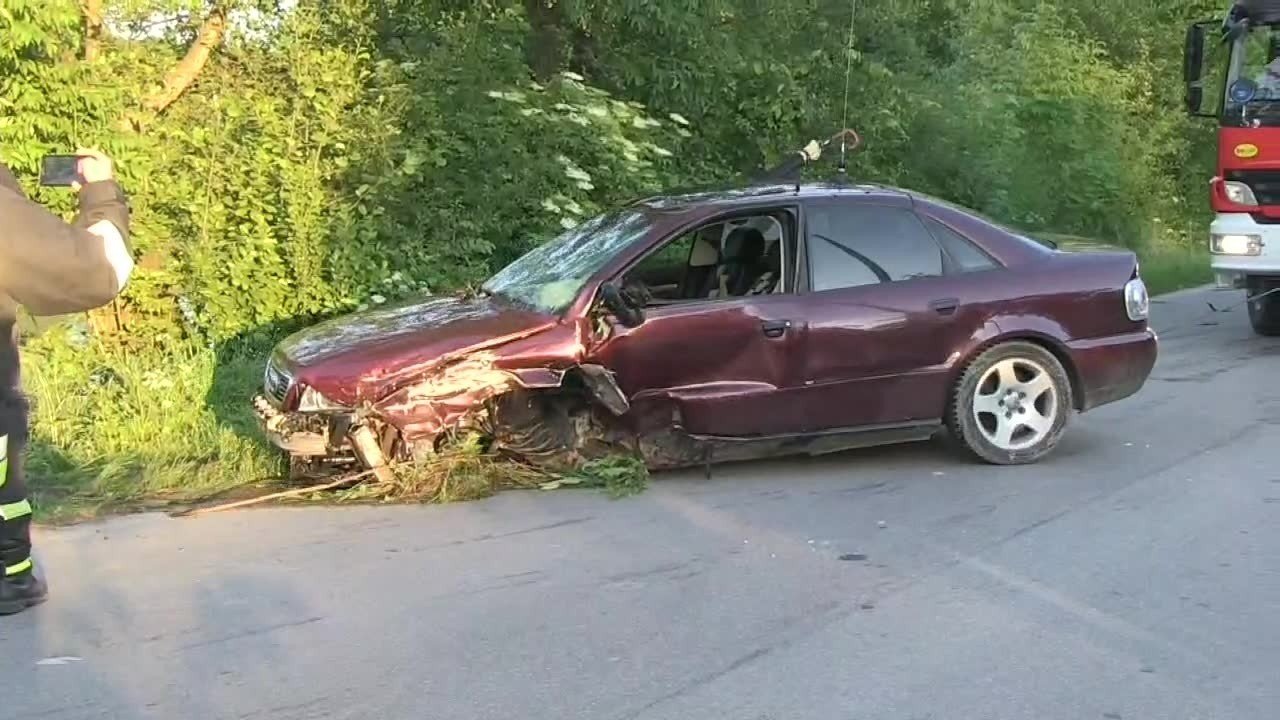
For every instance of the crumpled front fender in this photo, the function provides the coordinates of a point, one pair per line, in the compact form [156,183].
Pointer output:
[457,393]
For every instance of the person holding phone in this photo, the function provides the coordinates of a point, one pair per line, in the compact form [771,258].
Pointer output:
[50,267]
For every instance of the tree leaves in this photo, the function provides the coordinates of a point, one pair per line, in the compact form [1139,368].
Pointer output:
[326,147]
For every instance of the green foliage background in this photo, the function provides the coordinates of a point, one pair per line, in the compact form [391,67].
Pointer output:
[339,153]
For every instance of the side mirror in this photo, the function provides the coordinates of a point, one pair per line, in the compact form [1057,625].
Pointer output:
[1193,61]
[627,312]
[1195,99]
[1193,54]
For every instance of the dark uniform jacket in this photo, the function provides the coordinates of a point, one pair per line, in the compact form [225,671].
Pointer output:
[51,267]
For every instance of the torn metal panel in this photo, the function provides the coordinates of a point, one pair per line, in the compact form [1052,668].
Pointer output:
[604,388]
[387,381]
[362,357]
[445,398]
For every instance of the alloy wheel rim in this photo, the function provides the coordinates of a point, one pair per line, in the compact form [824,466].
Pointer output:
[1015,403]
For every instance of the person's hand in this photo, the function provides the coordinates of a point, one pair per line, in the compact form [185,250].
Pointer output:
[94,166]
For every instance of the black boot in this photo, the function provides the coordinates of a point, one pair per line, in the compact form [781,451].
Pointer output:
[21,591]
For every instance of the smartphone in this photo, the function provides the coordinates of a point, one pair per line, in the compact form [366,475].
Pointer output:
[60,170]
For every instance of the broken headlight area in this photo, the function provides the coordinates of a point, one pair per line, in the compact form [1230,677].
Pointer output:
[304,434]
[312,401]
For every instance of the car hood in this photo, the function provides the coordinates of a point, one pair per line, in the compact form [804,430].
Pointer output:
[361,356]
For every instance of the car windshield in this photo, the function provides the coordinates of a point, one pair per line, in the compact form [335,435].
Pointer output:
[549,277]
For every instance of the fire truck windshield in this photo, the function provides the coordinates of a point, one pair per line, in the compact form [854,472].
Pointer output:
[1253,78]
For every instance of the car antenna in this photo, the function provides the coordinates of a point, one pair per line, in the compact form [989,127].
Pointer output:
[850,140]
[843,168]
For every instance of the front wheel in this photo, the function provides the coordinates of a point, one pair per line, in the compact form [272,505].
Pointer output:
[1011,404]
[1264,310]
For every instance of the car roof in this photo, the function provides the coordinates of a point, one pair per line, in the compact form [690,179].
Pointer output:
[755,193]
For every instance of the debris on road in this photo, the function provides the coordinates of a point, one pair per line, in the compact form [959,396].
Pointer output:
[463,472]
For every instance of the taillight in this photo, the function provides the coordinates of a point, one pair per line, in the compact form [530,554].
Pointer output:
[1137,303]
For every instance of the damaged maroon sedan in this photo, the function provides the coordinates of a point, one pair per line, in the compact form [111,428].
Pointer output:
[756,322]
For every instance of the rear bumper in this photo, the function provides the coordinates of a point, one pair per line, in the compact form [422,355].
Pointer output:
[1113,368]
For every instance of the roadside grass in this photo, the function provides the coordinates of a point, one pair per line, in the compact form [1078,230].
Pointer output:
[118,432]
[114,431]
[1165,269]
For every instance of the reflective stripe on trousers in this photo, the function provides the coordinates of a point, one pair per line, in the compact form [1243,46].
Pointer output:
[13,510]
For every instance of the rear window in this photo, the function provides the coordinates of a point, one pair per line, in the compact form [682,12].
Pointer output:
[965,256]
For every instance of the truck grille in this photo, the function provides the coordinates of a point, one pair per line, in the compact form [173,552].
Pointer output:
[1265,184]
[275,383]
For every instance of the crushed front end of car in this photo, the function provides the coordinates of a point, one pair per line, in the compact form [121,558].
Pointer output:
[315,434]
[555,412]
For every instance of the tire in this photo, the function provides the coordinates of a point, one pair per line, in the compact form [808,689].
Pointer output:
[1013,380]
[1264,313]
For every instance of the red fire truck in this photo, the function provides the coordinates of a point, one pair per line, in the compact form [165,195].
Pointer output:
[1233,75]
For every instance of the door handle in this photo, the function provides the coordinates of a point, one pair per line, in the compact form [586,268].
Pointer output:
[775,328]
[945,306]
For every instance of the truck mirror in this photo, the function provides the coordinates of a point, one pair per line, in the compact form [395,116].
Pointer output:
[1195,99]
[1193,54]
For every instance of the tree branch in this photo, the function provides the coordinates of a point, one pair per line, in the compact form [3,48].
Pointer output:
[185,72]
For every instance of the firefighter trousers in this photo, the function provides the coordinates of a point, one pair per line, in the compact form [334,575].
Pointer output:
[15,508]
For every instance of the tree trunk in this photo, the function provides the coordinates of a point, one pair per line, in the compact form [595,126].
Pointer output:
[545,52]
[92,10]
[185,72]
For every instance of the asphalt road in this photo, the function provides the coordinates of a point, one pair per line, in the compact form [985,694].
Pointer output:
[1135,574]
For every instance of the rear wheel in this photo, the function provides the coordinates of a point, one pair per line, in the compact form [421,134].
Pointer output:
[1264,312]
[1011,404]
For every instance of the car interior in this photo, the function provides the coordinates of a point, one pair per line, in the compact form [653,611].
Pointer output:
[724,259]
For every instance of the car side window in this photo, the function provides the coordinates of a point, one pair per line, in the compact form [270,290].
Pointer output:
[742,256]
[855,244]
[965,256]
[662,272]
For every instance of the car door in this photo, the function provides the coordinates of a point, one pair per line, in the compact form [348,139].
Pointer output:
[885,310]
[716,366]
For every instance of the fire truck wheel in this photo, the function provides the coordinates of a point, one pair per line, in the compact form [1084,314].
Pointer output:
[1264,315]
